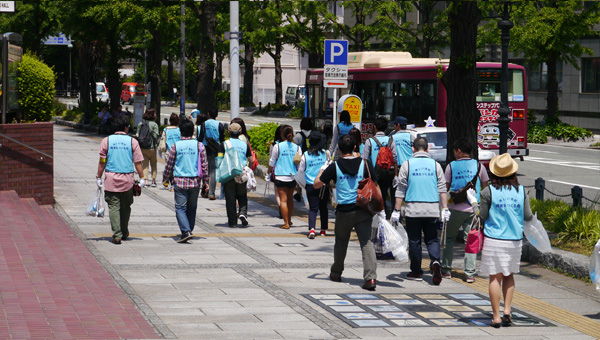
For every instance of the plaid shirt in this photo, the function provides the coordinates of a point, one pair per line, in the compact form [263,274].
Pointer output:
[186,182]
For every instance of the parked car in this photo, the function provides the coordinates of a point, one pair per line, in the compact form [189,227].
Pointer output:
[437,137]
[101,93]
[294,94]
[128,92]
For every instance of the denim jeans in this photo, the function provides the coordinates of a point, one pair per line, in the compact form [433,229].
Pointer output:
[186,201]
[429,227]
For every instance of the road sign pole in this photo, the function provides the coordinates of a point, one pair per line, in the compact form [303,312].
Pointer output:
[334,107]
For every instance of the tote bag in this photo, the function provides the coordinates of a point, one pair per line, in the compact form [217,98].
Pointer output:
[230,165]
[475,237]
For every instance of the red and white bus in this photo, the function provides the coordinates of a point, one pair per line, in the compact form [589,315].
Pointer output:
[394,83]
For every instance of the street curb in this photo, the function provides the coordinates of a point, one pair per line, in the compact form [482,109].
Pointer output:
[562,260]
[77,126]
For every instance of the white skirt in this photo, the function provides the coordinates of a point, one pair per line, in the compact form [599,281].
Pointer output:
[500,256]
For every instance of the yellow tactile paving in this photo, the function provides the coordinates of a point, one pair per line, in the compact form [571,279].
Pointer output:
[531,304]
[206,235]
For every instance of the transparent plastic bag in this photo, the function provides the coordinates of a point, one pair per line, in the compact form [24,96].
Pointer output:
[96,206]
[595,266]
[391,240]
[537,235]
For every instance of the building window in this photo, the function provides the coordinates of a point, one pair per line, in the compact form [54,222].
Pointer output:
[537,76]
[590,75]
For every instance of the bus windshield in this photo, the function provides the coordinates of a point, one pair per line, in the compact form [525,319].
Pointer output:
[488,89]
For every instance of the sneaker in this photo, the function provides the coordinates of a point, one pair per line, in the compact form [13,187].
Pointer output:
[470,279]
[436,269]
[414,276]
[184,237]
[153,184]
[166,185]
[446,275]
[125,236]
[212,197]
[204,194]
[323,233]
[244,220]
[311,234]
[116,241]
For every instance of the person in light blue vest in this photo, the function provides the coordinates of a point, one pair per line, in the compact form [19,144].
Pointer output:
[312,161]
[346,173]
[188,166]
[283,162]
[504,208]
[423,187]
[169,136]
[458,173]
[340,130]
[235,190]
[402,140]
[212,134]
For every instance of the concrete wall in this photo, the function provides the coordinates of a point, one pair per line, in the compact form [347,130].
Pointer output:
[26,171]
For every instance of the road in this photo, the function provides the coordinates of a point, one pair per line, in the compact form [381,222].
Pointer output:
[562,167]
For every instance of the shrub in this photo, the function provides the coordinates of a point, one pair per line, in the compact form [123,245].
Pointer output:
[539,132]
[297,111]
[58,108]
[36,89]
[73,116]
[261,137]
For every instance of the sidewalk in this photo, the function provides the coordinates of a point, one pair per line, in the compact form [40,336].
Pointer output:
[262,282]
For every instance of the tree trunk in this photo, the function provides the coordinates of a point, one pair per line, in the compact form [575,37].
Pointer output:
[112,70]
[84,81]
[462,115]
[170,75]
[155,78]
[278,72]
[248,73]
[315,60]
[552,99]
[219,72]
[206,65]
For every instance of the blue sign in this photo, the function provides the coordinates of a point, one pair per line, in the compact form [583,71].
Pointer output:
[336,52]
[59,39]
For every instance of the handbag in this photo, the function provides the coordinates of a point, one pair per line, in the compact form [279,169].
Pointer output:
[460,195]
[230,166]
[254,164]
[368,197]
[475,237]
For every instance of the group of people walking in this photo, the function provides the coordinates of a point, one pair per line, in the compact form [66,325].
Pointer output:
[417,185]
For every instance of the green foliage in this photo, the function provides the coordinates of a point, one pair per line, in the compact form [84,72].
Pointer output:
[537,134]
[36,89]
[73,116]
[297,111]
[261,137]
[58,108]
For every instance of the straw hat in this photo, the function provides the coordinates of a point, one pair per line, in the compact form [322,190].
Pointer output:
[503,165]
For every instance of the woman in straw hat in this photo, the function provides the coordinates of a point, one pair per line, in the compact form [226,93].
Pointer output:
[504,208]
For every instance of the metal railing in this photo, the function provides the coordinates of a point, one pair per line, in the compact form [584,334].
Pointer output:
[25,145]
[576,193]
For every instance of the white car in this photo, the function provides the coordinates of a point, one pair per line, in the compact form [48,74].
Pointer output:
[101,92]
[294,94]
[437,137]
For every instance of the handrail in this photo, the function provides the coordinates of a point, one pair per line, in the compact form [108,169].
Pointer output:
[25,145]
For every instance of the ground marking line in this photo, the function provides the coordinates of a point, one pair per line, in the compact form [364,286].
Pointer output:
[568,147]
[591,166]
[543,151]
[567,183]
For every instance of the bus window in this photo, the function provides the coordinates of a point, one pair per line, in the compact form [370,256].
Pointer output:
[489,85]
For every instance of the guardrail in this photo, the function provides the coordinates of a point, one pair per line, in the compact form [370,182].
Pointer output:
[25,145]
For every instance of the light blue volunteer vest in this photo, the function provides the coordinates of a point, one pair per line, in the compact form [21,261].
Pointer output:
[375,148]
[285,162]
[422,181]
[505,220]
[313,165]
[212,130]
[343,129]
[186,163]
[463,172]
[403,146]
[241,148]
[361,148]
[346,186]
[120,154]
[173,135]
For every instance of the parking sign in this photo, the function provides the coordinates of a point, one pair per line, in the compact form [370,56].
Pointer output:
[336,52]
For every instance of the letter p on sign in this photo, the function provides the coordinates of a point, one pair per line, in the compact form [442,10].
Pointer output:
[336,52]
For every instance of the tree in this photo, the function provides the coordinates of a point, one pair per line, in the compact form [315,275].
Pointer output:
[462,115]
[364,26]
[34,20]
[548,32]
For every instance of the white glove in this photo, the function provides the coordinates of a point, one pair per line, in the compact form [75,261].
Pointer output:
[396,182]
[99,182]
[396,216]
[445,215]
[471,196]
[142,183]
[267,178]
[381,214]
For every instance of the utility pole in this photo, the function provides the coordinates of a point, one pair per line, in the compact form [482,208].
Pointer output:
[234,58]
[182,65]
[504,111]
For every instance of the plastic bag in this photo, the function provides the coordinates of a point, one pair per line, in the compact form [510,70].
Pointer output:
[595,266]
[251,183]
[96,206]
[537,235]
[391,240]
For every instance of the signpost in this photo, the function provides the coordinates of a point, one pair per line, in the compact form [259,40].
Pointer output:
[59,39]
[138,104]
[7,6]
[335,72]
[353,105]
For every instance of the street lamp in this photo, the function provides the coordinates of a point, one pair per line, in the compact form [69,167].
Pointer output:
[505,25]
[69,84]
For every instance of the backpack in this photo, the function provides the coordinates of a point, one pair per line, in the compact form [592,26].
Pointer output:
[145,138]
[384,164]
[305,144]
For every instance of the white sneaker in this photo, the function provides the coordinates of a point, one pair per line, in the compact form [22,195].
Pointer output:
[244,220]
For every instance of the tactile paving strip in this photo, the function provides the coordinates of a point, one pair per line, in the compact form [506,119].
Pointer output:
[416,310]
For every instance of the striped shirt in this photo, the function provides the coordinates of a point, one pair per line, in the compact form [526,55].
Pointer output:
[186,182]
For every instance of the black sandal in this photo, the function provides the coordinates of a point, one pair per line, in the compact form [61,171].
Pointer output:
[496,324]
[506,320]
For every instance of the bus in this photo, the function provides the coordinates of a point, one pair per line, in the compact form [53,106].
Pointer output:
[394,83]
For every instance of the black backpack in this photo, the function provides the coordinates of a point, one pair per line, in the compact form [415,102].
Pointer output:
[145,138]
[305,144]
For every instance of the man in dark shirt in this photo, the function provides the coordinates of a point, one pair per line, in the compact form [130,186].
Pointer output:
[212,129]
[346,172]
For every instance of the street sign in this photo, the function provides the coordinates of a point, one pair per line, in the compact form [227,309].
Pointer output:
[7,6]
[60,39]
[354,106]
[335,72]
[337,83]
[336,52]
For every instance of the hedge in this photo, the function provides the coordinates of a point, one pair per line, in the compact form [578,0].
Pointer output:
[36,89]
